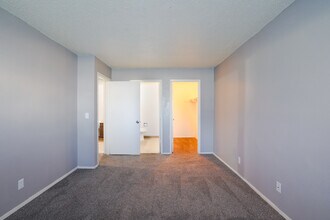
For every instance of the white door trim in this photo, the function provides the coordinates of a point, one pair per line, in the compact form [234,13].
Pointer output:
[199,111]
[106,79]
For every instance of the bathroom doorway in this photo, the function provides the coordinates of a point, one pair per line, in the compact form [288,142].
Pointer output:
[150,122]
[185,115]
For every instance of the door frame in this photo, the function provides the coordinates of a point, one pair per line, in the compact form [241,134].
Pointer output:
[105,79]
[160,83]
[199,112]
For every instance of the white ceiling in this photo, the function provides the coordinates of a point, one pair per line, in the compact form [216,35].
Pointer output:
[149,33]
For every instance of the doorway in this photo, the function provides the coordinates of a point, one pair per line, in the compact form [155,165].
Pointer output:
[101,113]
[125,126]
[101,83]
[185,115]
[149,117]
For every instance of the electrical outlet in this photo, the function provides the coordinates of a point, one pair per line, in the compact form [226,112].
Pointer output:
[86,115]
[278,187]
[20,184]
[239,160]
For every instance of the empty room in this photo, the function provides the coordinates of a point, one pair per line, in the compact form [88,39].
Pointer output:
[155,109]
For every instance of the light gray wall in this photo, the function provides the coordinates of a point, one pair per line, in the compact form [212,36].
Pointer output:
[88,67]
[273,109]
[205,75]
[87,141]
[38,88]
[102,68]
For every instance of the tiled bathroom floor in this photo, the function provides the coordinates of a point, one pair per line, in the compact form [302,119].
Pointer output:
[150,145]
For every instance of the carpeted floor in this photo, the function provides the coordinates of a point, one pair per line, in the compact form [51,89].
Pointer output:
[153,186]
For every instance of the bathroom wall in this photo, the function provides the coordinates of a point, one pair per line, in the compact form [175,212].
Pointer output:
[149,104]
[185,109]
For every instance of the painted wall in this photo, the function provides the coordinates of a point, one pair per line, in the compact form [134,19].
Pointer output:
[273,110]
[38,129]
[149,107]
[185,109]
[205,75]
[88,67]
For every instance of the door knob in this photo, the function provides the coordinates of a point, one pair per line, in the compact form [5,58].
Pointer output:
[137,122]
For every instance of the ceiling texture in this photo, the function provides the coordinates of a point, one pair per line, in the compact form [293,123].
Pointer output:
[149,33]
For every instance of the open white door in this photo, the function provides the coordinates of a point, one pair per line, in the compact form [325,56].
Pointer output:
[123,118]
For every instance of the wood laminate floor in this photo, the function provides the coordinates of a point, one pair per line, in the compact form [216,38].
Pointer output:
[185,146]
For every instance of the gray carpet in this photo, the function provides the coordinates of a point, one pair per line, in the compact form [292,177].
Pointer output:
[150,187]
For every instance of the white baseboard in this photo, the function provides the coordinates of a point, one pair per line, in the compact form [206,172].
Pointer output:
[6,215]
[166,153]
[256,190]
[205,152]
[88,168]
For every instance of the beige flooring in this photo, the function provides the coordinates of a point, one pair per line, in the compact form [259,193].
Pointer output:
[147,146]
[150,145]
[101,146]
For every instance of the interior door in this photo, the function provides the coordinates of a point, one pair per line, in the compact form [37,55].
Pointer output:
[123,118]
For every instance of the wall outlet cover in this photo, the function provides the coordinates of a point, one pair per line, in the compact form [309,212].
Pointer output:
[20,184]
[278,187]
